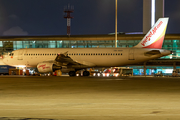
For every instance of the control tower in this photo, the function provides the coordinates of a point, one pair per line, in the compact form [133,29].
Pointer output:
[68,10]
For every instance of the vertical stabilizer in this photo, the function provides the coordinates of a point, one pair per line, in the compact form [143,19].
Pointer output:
[155,37]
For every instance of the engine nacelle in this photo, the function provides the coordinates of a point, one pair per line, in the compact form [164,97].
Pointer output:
[47,67]
[51,67]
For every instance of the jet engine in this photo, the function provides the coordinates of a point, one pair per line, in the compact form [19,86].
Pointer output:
[47,67]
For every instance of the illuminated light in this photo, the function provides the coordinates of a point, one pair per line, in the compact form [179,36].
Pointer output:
[170,56]
[168,70]
[98,74]
[152,12]
[116,74]
[77,74]
[94,74]
[24,70]
[107,74]
[103,75]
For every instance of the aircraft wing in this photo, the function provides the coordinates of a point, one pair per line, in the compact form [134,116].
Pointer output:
[64,60]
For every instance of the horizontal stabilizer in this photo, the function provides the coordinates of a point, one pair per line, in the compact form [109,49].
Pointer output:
[152,52]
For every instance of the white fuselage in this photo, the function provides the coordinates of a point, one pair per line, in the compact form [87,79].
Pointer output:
[94,57]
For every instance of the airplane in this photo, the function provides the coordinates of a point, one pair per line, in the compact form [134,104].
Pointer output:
[70,60]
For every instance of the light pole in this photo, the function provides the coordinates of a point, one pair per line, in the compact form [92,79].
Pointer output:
[116,24]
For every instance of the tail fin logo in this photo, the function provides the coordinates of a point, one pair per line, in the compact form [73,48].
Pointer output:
[155,37]
[148,37]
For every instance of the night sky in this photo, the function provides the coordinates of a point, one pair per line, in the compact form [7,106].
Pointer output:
[45,17]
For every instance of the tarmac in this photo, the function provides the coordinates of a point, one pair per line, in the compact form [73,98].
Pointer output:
[89,98]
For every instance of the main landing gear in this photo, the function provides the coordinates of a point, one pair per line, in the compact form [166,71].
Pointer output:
[73,73]
[86,73]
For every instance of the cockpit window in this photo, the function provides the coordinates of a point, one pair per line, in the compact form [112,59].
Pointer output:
[11,54]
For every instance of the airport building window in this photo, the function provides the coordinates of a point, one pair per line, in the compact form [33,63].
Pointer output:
[8,46]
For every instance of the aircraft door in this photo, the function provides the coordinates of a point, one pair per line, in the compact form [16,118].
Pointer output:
[131,54]
[20,55]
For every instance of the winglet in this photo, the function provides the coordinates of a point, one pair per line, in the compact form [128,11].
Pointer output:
[155,37]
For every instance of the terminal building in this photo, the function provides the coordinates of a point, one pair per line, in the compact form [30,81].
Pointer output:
[165,64]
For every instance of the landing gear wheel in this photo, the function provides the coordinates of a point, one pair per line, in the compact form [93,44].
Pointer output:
[72,73]
[86,73]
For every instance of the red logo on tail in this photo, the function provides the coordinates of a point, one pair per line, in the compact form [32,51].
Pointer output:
[148,37]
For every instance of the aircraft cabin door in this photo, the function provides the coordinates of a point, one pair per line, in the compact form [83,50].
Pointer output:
[131,54]
[20,55]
